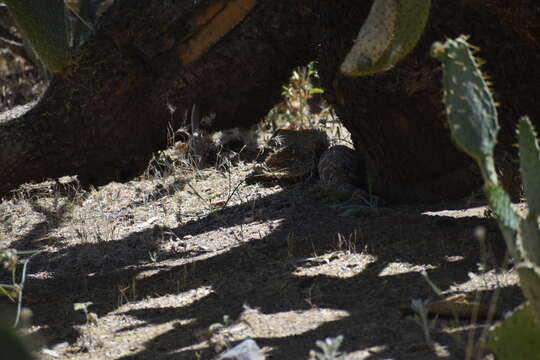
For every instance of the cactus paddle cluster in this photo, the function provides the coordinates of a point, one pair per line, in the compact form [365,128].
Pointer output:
[472,117]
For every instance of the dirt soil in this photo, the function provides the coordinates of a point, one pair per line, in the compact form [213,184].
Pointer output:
[184,263]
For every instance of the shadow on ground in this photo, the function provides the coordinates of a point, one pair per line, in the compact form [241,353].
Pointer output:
[261,255]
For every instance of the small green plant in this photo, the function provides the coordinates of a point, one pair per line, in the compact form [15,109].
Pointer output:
[294,107]
[472,116]
[358,204]
[91,318]
[431,284]
[227,321]
[12,345]
[9,259]
[421,310]
[329,347]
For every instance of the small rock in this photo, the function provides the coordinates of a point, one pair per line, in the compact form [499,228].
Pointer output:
[342,165]
[246,350]
[293,156]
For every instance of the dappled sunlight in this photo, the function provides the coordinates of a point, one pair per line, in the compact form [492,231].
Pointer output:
[454,258]
[182,299]
[257,325]
[343,224]
[289,323]
[493,279]
[341,264]
[397,268]
[458,213]
[127,332]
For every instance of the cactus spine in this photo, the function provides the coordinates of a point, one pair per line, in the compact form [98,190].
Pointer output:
[43,25]
[391,31]
[472,117]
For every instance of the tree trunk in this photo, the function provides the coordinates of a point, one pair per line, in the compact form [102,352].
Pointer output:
[397,117]
[150,61]
[105,114]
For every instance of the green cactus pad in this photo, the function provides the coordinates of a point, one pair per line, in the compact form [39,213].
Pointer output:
[12,345]
[516,337]
[469,104]
[500,203]
[529,279]
[529,240]
[508,219]
[43,24]
[529,155]
[391,31]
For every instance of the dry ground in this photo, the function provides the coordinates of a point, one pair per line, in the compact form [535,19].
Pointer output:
[183,263]
[164,258]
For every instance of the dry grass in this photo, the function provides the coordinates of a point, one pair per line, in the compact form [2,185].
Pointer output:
[190,258]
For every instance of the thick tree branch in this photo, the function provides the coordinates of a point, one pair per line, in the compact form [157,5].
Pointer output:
[106,112]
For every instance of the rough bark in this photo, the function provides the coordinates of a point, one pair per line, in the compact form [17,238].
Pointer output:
[105,114]
[110,109]
[397,117]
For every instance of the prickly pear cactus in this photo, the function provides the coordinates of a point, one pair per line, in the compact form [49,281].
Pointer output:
[529,155]
[530,165]
[43,24]
[516,337]
[470,108]
[391,31]
[472,117]
[529,279]
[12,345]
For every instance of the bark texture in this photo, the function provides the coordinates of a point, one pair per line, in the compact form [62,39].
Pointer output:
[150,61]
[397,117]
[110,109]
